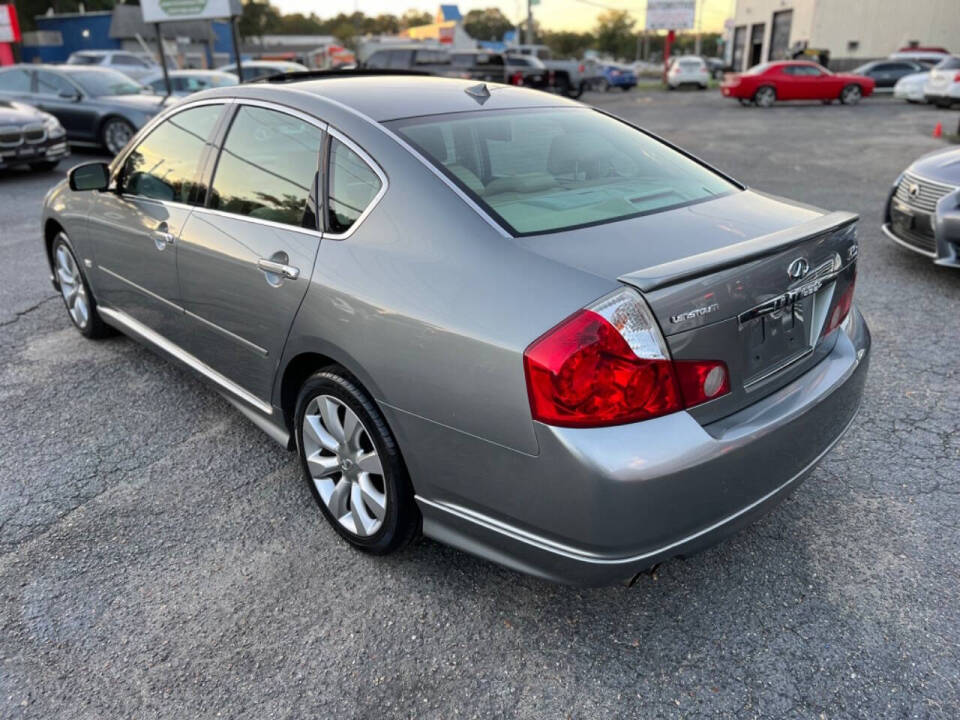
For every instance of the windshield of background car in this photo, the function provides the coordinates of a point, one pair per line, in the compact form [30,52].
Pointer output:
[105,82]
[950,63]
[559,168]
[84,60]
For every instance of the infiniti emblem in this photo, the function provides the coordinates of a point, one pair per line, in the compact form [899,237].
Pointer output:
[913,190]
[798,268]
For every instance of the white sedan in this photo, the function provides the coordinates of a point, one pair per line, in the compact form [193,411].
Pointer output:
[910,87]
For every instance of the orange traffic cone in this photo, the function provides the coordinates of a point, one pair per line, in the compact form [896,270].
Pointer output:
[938,130]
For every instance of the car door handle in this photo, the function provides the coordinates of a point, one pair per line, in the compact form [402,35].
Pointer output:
[162,236]
[278,268]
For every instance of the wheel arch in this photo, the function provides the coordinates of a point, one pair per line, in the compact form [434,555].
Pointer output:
[114,115]
[51,228]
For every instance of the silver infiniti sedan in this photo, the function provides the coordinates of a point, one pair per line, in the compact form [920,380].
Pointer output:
[490,315]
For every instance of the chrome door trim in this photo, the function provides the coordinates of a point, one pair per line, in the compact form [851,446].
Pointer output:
[155,338]
[410,149]
[286,109]
[372,164]
[180,309]
[140,288]
[233,336]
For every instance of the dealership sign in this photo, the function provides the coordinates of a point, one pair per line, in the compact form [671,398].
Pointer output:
[671,14]
[9,27]
[167,10]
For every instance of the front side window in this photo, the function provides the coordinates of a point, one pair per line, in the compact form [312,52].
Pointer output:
[559,168]
[49,83]
[15,80]
[164,166]
[268,168]
[352,186]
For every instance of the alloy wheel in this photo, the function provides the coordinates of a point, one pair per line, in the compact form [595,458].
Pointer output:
[72,287]
[765,97]
[116,135]
[851,95]
[344,465]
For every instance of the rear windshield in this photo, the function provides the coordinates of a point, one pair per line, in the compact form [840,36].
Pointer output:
[559,168]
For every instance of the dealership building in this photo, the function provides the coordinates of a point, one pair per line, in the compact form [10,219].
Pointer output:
[848,32]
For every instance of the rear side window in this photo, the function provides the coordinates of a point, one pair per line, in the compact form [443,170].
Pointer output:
[950,63]
[268,168]
[15,80]
[352,186]
[49,83]
[164,165]
[559,168]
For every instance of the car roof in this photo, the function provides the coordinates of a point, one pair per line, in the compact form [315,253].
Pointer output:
[389,97]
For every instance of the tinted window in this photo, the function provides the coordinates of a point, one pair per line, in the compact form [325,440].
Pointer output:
[518,61]
[462,60]
[378,60]
[559,168]
[49,83]
[432,57]
[15,80]
[399,59]
[127,60]
[84,59]
[268,167]
[164,165]
[352,186]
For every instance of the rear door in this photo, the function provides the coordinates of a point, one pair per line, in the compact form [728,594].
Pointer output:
[135,225]
[246,258]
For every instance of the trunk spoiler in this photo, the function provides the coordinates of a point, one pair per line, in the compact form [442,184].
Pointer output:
[676,271]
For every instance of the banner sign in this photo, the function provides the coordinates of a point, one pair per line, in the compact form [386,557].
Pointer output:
[155,11]
[9,27]
[671,14]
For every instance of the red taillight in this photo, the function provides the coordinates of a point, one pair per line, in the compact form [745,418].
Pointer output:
[701,380]
[581,67]
[517,78]
[956,78]
[608,365]
[840,309]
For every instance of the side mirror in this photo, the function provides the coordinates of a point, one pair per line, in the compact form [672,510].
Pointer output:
[71,95]
[90,176]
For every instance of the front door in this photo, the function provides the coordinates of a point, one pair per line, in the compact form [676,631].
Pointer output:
[245,260]
[58,96]
[135,225]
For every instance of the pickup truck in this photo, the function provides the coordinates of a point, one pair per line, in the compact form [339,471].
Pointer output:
[570,77]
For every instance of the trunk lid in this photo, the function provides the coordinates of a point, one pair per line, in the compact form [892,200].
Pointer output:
[747,279]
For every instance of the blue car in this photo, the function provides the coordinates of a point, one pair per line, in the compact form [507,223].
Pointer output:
[615,76]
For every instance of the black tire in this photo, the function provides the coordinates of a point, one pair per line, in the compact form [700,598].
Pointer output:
[765,96]
[625,88]
[45,166]
[94,328]
[401,523]
[745,102]
[703,87]
[573,92]
[113,131]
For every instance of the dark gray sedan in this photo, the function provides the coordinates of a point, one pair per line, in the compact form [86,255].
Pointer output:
[492,315]
[923,208]
[97,106]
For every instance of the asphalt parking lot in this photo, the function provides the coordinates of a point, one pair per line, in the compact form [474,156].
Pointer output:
[161,557]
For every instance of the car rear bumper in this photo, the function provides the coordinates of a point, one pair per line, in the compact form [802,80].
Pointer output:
[48,150]
[600,505]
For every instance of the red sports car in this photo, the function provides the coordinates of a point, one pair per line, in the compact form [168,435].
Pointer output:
[766,83]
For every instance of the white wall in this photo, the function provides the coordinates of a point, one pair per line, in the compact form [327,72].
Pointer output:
[878,26]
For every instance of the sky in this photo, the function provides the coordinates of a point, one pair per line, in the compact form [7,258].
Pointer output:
[551,14]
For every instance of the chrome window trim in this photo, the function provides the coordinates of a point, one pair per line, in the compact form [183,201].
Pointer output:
[426,163]
[286,110]
[198,209]
[373,165]
[183,356]
[141,135]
